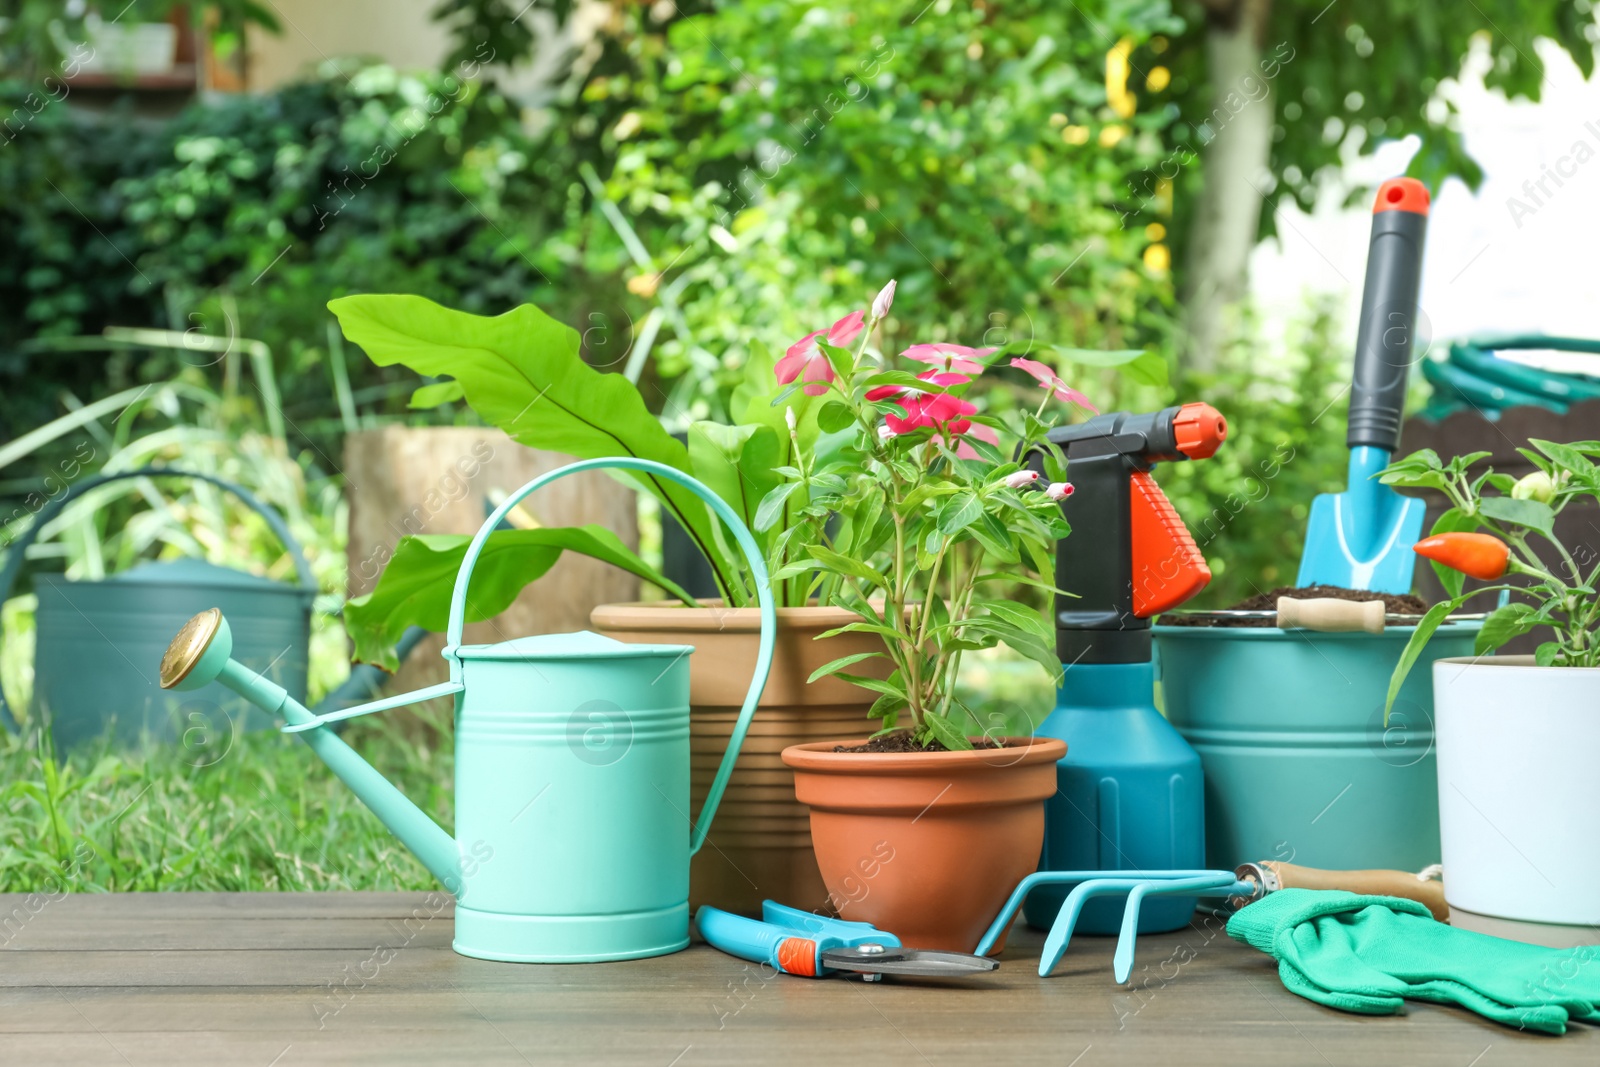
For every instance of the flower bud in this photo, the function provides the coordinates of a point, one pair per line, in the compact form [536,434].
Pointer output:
[788,417]
[1536,486]
[1020,479]
[883,301]
[1058,490]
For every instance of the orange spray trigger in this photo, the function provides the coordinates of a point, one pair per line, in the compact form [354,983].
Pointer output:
[1167,565]
[1199,430]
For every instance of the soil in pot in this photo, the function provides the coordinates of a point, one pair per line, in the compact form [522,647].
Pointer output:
[903,743]
[1404,604]
[926,845]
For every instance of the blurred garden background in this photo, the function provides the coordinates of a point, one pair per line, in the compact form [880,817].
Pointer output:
[184,186]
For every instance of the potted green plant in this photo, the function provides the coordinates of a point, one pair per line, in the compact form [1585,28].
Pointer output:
[1518,736]
[920,828]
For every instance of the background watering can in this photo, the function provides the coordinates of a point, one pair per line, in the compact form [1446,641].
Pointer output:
[565,851]
[116,626]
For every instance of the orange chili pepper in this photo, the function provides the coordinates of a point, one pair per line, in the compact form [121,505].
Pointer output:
[1477,555]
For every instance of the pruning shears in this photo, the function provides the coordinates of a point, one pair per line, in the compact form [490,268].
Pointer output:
[815,946]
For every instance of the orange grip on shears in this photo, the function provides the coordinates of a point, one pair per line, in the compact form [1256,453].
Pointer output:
[796,955]
[1167,565]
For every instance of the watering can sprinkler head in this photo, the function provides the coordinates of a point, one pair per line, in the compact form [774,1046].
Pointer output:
[197,654]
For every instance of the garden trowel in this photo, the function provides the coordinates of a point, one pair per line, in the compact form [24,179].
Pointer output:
[1361,538]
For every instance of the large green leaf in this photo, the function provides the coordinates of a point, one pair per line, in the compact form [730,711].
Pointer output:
[738,463]
[521,371]
[415,588]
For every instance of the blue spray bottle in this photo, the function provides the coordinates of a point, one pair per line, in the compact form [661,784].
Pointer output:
[1129,793]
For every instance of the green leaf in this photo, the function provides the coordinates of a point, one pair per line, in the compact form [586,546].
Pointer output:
[942,729]
[877,685]
[863,628]
[834,417]
[1503,624]
[837,665]
[521,371]
[837,563]
[1022,617]
[1529,513]
[1146,368]
[1547,654]
[737,463]
[959,512]
[431,396]
[888,708]
[415,588]
[840,359]
[771,507]
[1419,638]
[1565,455]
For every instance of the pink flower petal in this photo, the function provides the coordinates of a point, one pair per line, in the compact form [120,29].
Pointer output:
[950,357]
[1050,380]
[944,378]
[842,333]
[1072,396]
[884,392]
[794,359]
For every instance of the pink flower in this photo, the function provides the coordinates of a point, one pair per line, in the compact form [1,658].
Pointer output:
[1058,490]
[944,378]
[941,411]
[805,362]
[950,358]
[1020,479]
[1052,381]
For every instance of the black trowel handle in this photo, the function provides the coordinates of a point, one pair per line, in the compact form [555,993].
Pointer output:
[1388,314]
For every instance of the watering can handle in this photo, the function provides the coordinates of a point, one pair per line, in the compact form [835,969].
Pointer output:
[17,550]
[758,574]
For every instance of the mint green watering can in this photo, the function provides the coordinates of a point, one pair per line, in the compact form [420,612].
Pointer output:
[573,831]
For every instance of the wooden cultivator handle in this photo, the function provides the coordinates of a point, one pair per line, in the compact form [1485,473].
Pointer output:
[1374,883]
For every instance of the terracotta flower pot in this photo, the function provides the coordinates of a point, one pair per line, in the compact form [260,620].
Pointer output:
[926,845]
[760,843]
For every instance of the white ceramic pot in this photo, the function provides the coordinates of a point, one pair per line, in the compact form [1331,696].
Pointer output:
[1519,788]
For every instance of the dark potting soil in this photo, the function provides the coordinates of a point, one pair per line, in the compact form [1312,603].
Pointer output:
[904,743]
[1404,604]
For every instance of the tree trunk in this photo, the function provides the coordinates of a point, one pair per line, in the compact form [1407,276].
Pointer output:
[1236,140]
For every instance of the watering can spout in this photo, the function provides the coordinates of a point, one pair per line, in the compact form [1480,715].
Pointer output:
[202,652]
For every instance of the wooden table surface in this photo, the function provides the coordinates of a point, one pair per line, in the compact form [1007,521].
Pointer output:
[283,979]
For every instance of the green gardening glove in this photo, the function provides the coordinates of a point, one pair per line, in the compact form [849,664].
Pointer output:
[1366,954]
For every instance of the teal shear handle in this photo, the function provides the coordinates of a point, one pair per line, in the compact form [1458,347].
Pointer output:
[786,939]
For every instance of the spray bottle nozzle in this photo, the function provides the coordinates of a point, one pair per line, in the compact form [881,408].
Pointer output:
[1199,430]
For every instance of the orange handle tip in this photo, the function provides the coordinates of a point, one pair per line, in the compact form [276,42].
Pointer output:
[1402,194]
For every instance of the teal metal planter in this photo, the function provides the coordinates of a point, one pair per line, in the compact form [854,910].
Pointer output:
[1299,764]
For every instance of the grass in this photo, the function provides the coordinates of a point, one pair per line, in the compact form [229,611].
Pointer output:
[252,812]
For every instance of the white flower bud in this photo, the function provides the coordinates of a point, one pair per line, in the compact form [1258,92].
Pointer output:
[883,301]
[1021,478]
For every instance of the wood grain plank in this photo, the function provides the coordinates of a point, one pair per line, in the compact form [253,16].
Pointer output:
[224,979]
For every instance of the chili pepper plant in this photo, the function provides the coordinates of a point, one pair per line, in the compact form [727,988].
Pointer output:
[1487,536]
